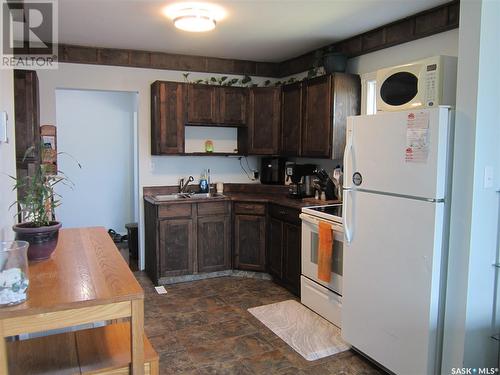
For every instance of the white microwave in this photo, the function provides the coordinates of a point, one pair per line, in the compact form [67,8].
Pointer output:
[421,84]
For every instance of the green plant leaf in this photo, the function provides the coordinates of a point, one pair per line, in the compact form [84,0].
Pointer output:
[246,79]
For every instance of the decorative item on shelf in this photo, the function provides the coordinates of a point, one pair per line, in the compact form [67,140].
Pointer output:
[14,279]
[36,205]
[334,61]
[209,146]
[49,148]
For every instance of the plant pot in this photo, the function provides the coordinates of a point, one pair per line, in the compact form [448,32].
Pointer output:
[334,62]
[42,240]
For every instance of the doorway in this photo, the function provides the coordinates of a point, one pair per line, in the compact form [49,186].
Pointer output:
[98,129]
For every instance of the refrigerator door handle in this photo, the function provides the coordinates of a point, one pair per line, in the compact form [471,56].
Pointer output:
[347,229]
[348,155]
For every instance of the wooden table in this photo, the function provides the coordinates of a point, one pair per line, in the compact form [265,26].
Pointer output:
[85,281]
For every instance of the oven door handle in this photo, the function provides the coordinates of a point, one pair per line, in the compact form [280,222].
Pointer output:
[311,220]
[346,216]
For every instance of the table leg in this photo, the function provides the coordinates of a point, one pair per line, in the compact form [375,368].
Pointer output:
[137,337]
[4,368]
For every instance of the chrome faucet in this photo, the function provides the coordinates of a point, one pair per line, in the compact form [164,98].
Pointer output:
[183,186]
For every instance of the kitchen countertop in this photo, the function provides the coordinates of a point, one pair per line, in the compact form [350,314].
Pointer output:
[280,199]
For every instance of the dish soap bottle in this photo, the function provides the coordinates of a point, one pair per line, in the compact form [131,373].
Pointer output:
[203,183]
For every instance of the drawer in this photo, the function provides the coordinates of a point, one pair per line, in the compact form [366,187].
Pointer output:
[290,215]
[250,208]
[174,210]
[321,300]
[212,208]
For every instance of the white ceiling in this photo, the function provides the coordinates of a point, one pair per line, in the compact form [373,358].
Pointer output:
[259,30]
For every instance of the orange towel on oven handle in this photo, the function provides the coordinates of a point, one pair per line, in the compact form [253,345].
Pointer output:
[325,252]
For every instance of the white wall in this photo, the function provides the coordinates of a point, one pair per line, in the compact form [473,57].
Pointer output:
[439,44]
[475,207]
[152,170]
[97,129]
[7,157]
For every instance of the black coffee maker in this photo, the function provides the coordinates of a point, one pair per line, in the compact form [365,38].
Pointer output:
[300,176]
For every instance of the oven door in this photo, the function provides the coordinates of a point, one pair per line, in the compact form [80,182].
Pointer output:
[310,242]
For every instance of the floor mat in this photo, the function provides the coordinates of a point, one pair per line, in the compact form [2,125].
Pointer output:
[310,335]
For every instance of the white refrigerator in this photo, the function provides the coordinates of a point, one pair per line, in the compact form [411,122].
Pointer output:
[396,212]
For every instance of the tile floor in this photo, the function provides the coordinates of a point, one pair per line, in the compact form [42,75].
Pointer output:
[203,327]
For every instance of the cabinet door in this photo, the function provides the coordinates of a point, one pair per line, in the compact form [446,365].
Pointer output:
[317,125]
[202,104]
[291,119]
[264,121]
[233,105]
[214,243]
[275,248]
[292,256]
[346,102]
[167,118]
[250,242]
[176,247]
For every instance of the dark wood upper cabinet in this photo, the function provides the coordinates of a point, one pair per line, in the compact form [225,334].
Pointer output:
[167,117]
[346,102]
[232,105]
[264,120]
[317,126]
[27,118]
[291,119]
[202,104]
[328,100]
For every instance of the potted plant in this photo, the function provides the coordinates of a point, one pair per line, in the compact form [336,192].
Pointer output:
[36,203]
[334,60]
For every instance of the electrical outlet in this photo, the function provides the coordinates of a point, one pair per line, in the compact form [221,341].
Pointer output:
[488,177]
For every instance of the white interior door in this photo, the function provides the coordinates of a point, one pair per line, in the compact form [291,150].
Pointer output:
[376,149]
[391,280]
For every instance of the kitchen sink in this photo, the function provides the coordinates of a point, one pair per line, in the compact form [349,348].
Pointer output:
[187,196]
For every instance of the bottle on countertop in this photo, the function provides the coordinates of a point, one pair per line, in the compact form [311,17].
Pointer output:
[204,183]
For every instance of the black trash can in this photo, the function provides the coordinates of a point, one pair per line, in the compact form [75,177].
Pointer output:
[133,240]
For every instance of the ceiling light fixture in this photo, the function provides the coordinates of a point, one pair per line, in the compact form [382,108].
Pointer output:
[194,17]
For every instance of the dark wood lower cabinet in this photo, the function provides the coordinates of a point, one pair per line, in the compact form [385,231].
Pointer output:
[284,247]
[250,242]
[191,238]
[214,250]
[275,257]
[292,255]
[176,247]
